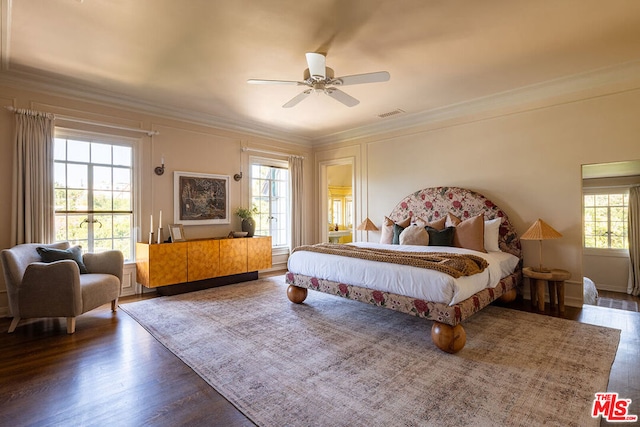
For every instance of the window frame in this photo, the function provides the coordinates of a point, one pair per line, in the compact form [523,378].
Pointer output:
[274,163]
[112,139]
[608,252]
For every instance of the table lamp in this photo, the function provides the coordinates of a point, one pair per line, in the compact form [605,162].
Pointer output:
[540,231]
[367,225]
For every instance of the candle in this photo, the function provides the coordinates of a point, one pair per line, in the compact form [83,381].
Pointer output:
[162,160]
[160,222]
[151,229]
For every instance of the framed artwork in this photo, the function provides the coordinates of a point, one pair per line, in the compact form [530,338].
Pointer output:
[177,233]
[200,198]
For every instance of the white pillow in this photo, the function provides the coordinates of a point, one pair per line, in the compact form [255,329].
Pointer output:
[492,235]
[414,235]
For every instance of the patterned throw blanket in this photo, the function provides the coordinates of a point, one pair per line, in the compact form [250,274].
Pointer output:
[455,265]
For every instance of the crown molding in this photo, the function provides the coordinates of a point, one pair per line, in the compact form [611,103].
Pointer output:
[545,92]
[54,86]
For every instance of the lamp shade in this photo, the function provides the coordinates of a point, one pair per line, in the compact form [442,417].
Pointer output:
[367,225]
[540,230]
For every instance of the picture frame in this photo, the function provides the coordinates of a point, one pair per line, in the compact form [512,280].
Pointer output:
[177,233]
[200,198]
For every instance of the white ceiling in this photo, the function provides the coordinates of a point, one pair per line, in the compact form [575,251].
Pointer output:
[193,57]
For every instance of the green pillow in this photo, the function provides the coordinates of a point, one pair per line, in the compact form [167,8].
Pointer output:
[74,253]
[441,237]
[397,229]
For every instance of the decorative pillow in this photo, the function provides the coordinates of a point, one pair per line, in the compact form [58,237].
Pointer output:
[469,233]
[492,235]
[441,237]
[387,235]
[438,225]
[74,253]
[414,235]
[397,230]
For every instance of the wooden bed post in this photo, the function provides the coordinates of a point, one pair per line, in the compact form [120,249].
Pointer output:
[296,294]
[448,338]
[508,296]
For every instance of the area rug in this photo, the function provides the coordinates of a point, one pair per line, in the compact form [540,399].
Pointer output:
[617,304]
[337,362]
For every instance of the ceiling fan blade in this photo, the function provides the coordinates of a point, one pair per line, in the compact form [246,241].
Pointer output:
[356,79]
[340,96]
[296,99]
[317,65]
[274,82]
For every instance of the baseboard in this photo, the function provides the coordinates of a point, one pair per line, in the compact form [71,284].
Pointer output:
[605,287]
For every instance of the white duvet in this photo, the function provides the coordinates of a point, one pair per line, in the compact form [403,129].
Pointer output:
[422,283]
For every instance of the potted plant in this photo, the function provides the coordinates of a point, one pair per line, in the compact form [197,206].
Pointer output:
[248,223]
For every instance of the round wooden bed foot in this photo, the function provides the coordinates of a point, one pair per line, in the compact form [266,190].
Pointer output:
[448,338]
[508,296]
[296,294]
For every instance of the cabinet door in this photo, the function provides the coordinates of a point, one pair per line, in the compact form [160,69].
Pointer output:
[203,259]
[233,256]
[259,253]
[167,264]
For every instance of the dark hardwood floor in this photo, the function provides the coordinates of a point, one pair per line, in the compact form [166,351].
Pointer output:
[618,295]
[113,372]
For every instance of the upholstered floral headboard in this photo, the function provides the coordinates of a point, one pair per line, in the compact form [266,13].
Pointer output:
[431,204]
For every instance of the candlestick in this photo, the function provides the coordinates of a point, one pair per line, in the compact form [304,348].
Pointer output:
[159,240]
[151,237]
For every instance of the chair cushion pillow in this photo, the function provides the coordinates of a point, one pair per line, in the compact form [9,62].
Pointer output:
[74,253]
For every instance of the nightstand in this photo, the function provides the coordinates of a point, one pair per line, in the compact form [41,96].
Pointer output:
[554,279]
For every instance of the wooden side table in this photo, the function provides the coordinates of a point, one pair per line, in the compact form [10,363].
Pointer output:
[554,279]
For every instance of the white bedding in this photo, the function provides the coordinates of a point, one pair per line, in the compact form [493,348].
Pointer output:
[426,284]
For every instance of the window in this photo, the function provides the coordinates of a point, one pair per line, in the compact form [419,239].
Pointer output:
[94,193]
[336,217]
[605,220]
[270,195]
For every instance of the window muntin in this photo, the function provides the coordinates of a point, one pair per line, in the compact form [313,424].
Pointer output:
[605,220]
[270,195]
[93,185]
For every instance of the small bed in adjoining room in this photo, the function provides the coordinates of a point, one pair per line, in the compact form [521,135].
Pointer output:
[444,254]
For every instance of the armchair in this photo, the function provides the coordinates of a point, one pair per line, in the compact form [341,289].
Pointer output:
[57,289]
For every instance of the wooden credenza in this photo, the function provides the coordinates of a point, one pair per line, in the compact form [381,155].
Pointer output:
[182,262]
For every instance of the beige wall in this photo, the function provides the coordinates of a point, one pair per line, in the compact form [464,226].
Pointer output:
[528,162]
[185,146]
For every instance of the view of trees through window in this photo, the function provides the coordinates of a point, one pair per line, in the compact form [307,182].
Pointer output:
[270,195]
[93,195]
[605,221]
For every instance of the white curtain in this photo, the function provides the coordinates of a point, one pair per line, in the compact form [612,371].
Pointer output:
[634,241]
[32,218]
[295,180]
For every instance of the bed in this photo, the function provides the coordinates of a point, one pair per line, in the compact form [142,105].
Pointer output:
[424,292]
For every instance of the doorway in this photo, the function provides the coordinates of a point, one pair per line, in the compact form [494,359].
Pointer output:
[605,257]
[337,201]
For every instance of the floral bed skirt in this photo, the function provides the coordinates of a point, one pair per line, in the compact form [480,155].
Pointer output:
[448,314]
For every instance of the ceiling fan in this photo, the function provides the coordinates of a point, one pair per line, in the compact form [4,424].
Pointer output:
[320,78]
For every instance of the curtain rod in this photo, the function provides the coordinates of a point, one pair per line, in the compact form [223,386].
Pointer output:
[274,153]
[85,121]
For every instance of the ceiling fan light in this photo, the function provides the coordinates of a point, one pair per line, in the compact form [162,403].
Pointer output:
[317,65]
